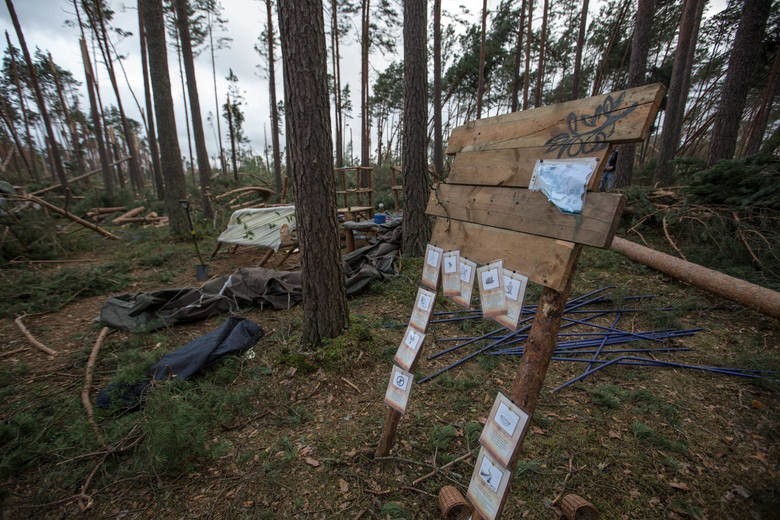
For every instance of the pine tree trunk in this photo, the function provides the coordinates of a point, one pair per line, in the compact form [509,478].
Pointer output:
[365,124]
[416,225]
[23,107]
[222,164]
[272,101]
[55,150]
[302,30]
[576,79]
[150,124]
[637,68]
[542,49]
[185,95]
[170,155]
[745,54]
[99,29]
[678,91]
[761,119]
[4,115]
[74,135]
[529,37]
[336,59]
[438,145]
[518,59]
[108,178]
[204,169]
[231,130]
[481,77]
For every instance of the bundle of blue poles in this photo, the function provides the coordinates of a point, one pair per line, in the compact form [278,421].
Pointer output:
[597,345]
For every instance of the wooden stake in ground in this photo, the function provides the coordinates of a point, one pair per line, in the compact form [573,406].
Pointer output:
[34,342]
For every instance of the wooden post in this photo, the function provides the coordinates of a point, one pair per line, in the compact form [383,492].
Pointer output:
[388,433]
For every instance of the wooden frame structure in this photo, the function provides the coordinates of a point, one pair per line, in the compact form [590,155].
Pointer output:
[353,191]
[485,210]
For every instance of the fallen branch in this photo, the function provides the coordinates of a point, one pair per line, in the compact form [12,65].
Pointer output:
[34,342]
[78,178]
[12,352]
[437,470]
[67,214]
[88,383]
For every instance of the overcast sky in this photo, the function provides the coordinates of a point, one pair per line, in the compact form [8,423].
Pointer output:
[44,25]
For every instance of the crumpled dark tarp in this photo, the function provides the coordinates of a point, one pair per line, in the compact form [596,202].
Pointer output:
[234,336]
[247,287]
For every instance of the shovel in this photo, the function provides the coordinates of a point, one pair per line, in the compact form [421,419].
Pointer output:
[201,270]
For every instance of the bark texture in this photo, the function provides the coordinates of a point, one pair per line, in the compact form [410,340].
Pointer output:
[204,168]
[416,225]
[302,31]
[170,154]
[745,54]
[637,67]
[272,102]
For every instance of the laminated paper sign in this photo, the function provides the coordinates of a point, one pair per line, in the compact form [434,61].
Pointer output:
[491,289]
[432,266]
[488,486]
[409,348]
[450,278]
[514,290]
[398,389]
[423,305]
[466,270]
[504,429]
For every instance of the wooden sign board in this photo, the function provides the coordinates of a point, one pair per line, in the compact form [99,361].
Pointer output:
[504,430]
[491,289]
[409,349]
[543,260]
[518,209]
[466,272]
[450,275]
[398,389]
[432,267]
[423,306]
[488,486]
[569,129]
[515,285]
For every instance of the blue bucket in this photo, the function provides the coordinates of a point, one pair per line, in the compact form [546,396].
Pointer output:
[380,218]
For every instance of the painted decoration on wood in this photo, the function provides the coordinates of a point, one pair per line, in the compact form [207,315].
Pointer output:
[590,133]
[491,289]
[515,285]
[564,181]
[432,266]
[504,429]
[450,277]
[423,306]
[409,348]
[488,486]
[398,389]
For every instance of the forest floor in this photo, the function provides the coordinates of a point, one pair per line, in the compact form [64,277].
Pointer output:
[281,433]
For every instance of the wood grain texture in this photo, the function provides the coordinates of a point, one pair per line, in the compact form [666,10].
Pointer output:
[543,260]
[509,167]
[518,209]
[571,129]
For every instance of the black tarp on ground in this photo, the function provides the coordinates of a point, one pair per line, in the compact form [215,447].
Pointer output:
[247,287]
[234,336]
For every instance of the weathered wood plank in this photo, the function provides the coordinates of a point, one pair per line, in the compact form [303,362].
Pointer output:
[545,261]
[510,167]
[518,209]
[570,129]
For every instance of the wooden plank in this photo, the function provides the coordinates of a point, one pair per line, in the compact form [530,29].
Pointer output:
[510,167]
[543,260]
[571,129]
[518,209]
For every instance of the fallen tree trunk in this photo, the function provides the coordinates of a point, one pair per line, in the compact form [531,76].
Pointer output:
[74,179]
[71,216]
[762,299]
